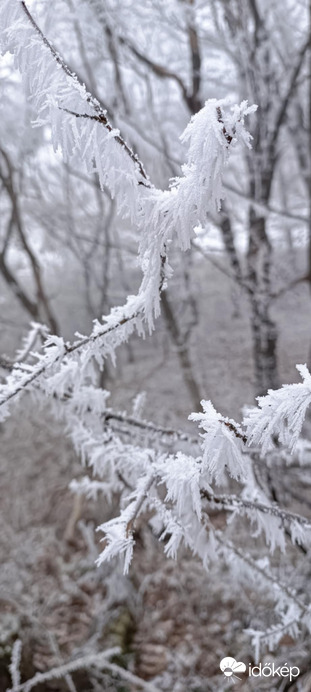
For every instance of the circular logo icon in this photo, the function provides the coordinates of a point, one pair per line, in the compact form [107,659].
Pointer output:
[230,667]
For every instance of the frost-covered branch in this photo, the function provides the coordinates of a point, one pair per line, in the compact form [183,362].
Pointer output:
[280,414]
[99,660]
[235,502]
[296,523]
[151,428]
[157,215]
[189,482]
[37,332]
[101,115]
[293,611]
[165,477]
[119,532]
[15,663]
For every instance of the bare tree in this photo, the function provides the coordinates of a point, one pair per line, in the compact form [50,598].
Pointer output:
[38,307]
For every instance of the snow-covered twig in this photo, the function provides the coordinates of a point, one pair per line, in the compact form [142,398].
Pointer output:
[233,502]
[119,531]
[101,115]
[15,663]
[99,660]
[29,342]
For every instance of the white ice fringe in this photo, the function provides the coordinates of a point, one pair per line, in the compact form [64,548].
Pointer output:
[280,414]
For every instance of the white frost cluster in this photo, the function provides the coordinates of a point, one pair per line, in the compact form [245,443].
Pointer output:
[222,448]
[280,414]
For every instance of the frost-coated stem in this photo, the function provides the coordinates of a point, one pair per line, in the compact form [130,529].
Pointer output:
[290,593]
[99,660]
[15,663]
[137,505]
[233,502]
[101,114]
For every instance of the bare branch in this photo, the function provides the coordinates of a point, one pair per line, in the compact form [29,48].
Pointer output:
[157,69]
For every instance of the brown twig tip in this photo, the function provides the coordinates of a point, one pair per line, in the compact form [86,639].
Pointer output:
[220,120]
[235,431]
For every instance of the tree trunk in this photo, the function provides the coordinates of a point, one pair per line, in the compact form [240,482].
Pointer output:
[264,337]
[264,330]
[183,353]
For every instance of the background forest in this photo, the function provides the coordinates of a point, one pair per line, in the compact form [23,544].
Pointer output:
[235,320]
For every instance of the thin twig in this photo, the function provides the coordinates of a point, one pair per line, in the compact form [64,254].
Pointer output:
[233,502]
